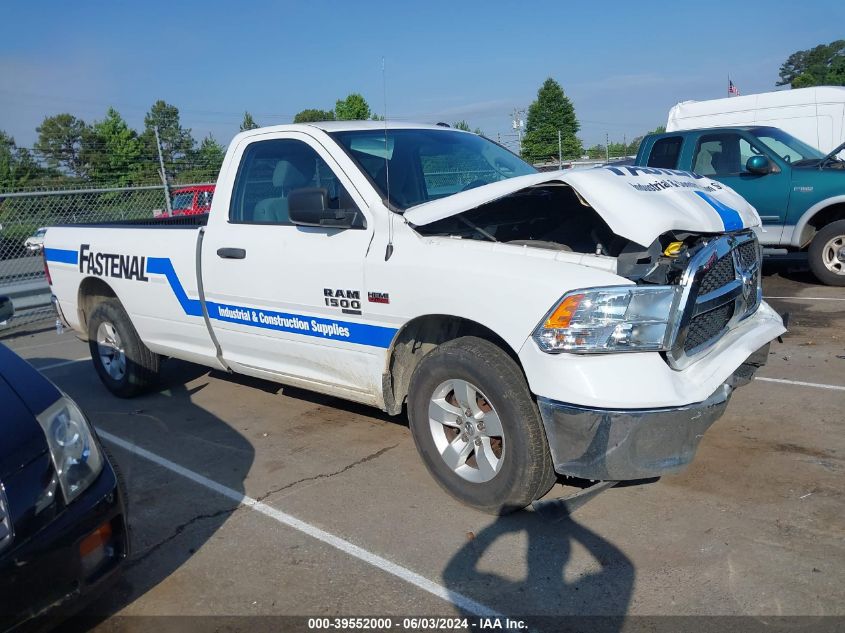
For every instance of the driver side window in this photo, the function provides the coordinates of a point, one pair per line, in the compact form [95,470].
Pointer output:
[269,171]
[721,155]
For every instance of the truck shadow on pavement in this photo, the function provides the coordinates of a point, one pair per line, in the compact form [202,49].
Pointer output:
[549,597]
[170,517]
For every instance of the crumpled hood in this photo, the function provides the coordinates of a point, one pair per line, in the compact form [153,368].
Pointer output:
[638,203]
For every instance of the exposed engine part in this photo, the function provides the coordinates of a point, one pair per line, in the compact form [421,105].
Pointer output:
[558,220]
[561,220]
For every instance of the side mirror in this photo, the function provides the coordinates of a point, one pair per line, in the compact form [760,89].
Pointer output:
[309,206]
[6,309]
[758,165]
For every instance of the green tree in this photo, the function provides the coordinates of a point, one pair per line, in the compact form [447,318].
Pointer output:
[463,125]
[60,143]
[353,108]
[312,115]
[634,146]
[205,161]
[248,123]
[112,151]
[823,65]
[176,141]
[552,111]
[18,168]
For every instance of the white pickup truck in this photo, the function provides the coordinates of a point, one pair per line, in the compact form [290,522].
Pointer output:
[591,323]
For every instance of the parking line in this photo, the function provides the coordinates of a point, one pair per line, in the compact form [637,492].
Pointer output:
[459,600]
[800,383]
[62,364]
[810,298]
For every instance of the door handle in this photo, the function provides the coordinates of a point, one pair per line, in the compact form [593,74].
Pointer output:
[231,253]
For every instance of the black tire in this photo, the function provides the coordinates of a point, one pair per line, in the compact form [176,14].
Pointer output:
[141,365]
[817,250]
[526,471]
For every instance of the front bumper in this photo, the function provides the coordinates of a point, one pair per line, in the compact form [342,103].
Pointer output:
[625,444]
[45,576]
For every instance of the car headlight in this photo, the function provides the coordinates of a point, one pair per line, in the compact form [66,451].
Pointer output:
[610,319]
[76,456]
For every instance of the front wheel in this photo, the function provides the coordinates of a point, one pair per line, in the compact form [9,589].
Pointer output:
[827,254]
[125,365]
[477,428]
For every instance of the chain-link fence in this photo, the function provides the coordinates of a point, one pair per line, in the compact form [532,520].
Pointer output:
[24,218]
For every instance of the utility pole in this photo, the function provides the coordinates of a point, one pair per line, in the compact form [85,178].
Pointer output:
[559,151]
[163,174]
[518,124]
[607,147]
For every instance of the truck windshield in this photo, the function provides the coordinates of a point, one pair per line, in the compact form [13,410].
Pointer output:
[182,200]
[424,165]
[787,146]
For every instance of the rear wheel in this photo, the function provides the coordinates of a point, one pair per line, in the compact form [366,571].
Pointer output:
[124,364]
[477,428]
[827,254]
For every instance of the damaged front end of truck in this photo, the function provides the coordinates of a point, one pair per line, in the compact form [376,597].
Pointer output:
[689,300]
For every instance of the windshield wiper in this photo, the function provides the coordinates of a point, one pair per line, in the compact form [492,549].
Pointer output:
[832,156]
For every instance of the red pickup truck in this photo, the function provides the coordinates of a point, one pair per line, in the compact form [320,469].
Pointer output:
[193,200]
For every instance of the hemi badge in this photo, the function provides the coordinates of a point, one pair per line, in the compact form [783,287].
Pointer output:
[378,297]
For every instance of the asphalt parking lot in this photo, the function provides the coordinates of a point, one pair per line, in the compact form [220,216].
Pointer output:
[249,498]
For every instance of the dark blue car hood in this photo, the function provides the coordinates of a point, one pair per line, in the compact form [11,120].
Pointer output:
[24,393]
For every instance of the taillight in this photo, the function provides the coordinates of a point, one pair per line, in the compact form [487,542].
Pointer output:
[47,271]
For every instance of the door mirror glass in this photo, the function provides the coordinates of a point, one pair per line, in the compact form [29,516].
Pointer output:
[758,165]
[309,206]
[6,309]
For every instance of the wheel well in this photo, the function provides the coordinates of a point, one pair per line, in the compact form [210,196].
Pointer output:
[416,339]
[91,292]
[821,219]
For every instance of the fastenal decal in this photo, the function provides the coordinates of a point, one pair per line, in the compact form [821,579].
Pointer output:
[666,183]
[112,264]
[356,333]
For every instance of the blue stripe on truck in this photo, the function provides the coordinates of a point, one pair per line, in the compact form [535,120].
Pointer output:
[61,255]
[730,216]
[351,332]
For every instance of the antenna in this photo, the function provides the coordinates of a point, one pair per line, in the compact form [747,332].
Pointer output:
[389,250]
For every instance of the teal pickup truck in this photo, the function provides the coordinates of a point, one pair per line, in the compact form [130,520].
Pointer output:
[798,191]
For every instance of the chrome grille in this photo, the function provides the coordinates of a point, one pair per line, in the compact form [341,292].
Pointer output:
[707,325]
[720,274]
[6,529]
[721,288]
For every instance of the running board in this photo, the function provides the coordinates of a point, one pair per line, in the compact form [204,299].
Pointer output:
[562,507]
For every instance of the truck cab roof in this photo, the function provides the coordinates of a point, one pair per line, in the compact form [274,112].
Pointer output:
[345,126]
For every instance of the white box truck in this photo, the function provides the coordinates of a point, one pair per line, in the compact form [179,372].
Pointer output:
[814,115]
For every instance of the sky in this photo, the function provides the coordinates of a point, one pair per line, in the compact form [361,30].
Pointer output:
[623,64]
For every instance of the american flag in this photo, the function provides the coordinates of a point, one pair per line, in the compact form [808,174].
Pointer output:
[732,89]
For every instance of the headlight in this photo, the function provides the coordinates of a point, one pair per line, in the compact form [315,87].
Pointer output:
[76,457]
[612,319]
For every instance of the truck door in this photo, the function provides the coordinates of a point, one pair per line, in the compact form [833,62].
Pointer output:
[285,301]
[723,157]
